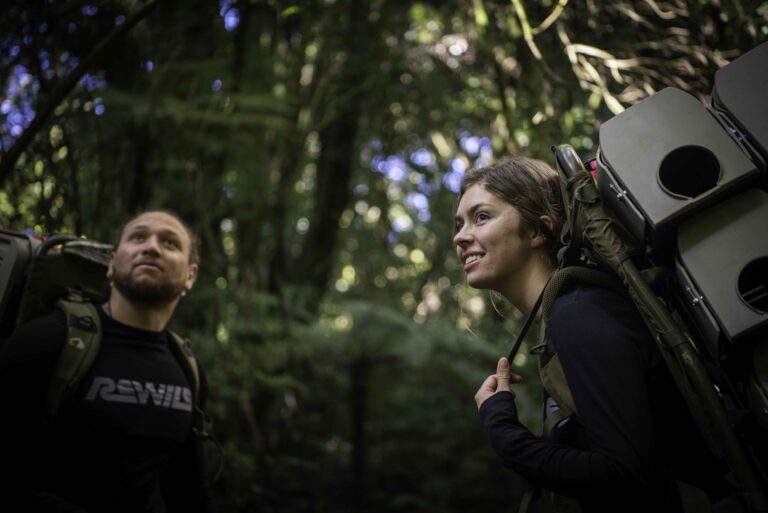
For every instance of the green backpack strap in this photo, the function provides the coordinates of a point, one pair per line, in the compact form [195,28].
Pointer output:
[201,421]
[78,352]
[555,382]
[551,371]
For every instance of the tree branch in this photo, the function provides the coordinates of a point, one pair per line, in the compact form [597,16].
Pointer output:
[64,88]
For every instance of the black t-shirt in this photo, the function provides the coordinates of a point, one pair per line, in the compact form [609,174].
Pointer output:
[633,432]
[122,443]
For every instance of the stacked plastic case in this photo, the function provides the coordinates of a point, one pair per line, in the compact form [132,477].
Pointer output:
[689,181]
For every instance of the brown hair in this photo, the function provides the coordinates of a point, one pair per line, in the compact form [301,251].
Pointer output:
[529,185]
[194,246]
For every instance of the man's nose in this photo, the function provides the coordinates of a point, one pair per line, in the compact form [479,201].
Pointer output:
[151,244]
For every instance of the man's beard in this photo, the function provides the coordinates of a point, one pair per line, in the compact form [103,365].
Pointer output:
[149,293]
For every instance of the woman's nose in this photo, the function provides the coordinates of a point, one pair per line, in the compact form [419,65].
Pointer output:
[462,236]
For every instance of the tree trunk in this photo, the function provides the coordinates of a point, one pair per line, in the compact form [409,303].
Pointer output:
[337,159]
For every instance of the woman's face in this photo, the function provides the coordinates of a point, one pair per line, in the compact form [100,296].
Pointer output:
[489,242]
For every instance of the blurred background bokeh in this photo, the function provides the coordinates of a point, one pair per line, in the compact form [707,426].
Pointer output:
[316,148]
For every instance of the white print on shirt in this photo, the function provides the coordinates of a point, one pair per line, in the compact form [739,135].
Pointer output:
[133,392]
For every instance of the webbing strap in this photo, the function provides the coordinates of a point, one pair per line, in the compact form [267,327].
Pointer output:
[181,347]
[77,354]
[525,502]
[201,421]
[553,419]
[527,324]
[556,384]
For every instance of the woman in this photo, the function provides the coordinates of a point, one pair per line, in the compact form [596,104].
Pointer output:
[632,431]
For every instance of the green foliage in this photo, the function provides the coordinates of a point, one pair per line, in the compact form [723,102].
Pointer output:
[342,354]
[362,379]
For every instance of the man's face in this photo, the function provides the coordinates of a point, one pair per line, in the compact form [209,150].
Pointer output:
[151,263]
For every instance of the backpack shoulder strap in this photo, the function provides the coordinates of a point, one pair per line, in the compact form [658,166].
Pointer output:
[551,371]
[201,421]
[181,348]
[77,354]
[574,275]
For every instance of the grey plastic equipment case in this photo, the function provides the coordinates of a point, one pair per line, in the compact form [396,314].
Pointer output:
[663,160]
[723,268]
[739,102]
[689,181]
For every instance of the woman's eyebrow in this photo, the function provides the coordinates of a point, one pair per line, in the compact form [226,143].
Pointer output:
[474,208]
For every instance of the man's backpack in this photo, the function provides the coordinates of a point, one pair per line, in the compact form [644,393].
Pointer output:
[40,275]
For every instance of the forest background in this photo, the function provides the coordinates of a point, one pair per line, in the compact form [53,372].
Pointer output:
[316,148]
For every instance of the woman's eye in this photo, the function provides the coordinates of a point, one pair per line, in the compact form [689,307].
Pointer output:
[481,216]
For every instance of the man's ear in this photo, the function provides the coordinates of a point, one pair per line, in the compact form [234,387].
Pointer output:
[540,238]
[191,276]
[110,267]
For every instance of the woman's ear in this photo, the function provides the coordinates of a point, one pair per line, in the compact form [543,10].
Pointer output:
[540,238]
[548,222]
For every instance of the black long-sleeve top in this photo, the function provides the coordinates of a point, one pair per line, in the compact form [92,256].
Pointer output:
[122,443]
[632,433]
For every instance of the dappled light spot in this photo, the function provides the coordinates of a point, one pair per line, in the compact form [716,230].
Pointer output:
[227,225]
[393,167]
[91,82]
[302,225]
[401,221]
[452,180]
[346,218]
[401,250]
[222,334]
[417,256]
[230,14]
[98,106]
[348,274]
[343,322]
[373,215]
[422,157]
[476,306]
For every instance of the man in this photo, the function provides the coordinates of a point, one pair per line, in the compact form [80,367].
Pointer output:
[124,441]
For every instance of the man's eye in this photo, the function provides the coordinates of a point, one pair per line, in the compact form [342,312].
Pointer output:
[136,236]
[172,243]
